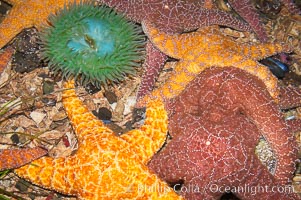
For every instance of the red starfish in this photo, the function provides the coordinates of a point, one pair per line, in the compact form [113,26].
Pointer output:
[14,158]
[173,16]
[215,125]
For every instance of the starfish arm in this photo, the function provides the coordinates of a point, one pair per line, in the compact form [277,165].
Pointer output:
[83,121]
[186,71]
[176,16]
[265,114]
[169,162]
[263,50]
[291,6]
[14,23]
[131,180]
[173,45]
[209,17]
[248,12]
[183,73]
[14,158]
[289,97]
[294,125]
[51,173]
[26,14]
[5,57]
[153,64]
[151,136]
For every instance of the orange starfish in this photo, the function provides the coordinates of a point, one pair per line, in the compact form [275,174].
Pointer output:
[26,14]
[14,158]
[5,57]
[205,48]
[105,166]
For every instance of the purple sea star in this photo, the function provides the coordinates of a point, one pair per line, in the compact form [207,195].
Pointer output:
[215,124]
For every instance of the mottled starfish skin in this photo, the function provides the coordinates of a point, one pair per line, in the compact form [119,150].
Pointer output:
[154,61]
[27,14]
[208,47]
[175,16]
[248,12]
[170,16]
[14,158]
[215,124]
[105,166]
[5,57]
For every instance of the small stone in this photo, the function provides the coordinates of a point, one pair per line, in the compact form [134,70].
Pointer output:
[129,104]
[15,138]
[22,185]
[49,101]
[37,116]
[111,96]
[48,87]
[92,89]
[116,129]
[59,116]
[138,114]
[103,113]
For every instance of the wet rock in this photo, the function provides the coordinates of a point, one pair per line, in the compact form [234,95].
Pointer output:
[92,89]
[15,138]
[49,101]
[269,8]
[22,185]
[116,129]
[27,54]
[111,96]
[48,87]
[103,113]
[4,7]
[138,114]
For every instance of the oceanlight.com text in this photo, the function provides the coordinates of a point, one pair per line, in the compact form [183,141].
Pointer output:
[252,189]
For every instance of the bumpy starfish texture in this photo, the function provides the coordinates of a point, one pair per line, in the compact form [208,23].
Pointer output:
[248,12]
[27,14]
[105,166]
[208,47]
[215,124]
[172,16]
[175,16]
[5,57]
[14,158]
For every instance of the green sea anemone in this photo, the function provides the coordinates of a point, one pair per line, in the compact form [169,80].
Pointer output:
[93,44]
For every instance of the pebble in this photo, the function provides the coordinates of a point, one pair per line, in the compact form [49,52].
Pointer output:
[129,104]
[37,117]
[103,113]
[26,57]
[92,89]
[15,138]
[111,96]
[48,87]
[22,185]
